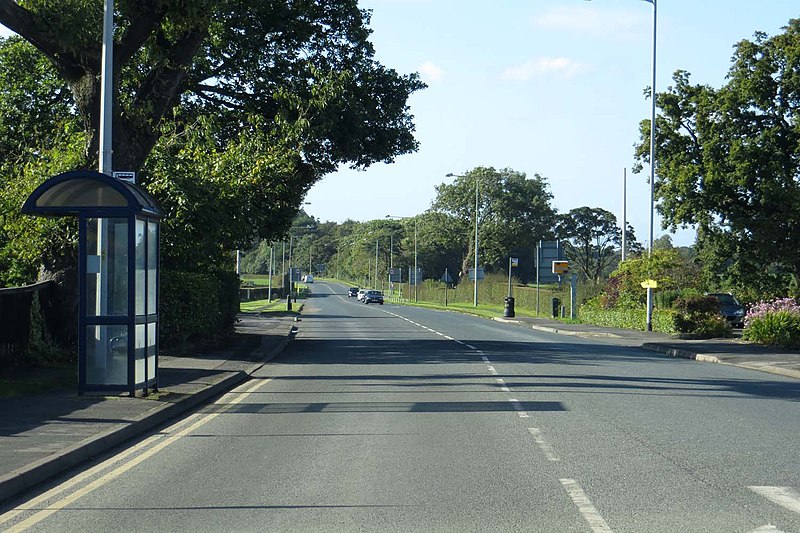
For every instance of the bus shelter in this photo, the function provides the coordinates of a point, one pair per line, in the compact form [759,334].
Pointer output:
[118,269]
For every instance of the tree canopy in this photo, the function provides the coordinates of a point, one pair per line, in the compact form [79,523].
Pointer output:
[592,238]
[514,212]
[728,161]
[229,109]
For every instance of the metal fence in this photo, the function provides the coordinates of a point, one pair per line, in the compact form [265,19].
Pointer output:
[15,319]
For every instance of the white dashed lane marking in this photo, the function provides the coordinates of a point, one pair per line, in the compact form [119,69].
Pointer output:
[585,506]
[546,449]
[784,496]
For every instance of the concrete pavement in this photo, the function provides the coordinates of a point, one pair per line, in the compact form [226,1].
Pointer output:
[45,434]
[733,352]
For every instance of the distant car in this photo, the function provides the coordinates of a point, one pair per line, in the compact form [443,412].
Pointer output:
[360,294]
[730,308]
[308,278]
[352,291]
[373,297]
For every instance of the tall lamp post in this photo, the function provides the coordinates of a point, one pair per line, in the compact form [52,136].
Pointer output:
[415,251]
[652,161]
[475,271]
[652,164]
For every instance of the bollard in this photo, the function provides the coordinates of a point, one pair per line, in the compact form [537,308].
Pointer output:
[508,307]
[288,302]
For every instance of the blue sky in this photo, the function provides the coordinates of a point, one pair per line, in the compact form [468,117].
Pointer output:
[552,87]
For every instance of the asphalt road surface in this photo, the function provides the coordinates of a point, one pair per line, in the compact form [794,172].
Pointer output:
[388,418]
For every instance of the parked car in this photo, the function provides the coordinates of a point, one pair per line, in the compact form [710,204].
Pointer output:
[360,294]
[352,291]
[730,308]
[373,297]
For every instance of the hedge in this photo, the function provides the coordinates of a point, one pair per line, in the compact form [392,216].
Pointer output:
[196,307]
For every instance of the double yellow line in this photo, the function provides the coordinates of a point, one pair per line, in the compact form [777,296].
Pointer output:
[129,458]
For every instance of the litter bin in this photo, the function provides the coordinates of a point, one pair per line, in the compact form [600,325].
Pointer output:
[556,307]
[288,302]
[508,308]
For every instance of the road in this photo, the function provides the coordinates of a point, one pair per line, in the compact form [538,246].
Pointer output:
[389,418]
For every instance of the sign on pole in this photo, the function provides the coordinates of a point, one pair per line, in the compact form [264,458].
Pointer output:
[514,262]
[471,274]
[560,267]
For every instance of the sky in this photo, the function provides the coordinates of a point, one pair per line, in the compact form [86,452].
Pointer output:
[548,87]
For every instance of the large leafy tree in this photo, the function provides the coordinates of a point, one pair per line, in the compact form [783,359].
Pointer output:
[230,109]
[728,161]
[592,238]
[514,212]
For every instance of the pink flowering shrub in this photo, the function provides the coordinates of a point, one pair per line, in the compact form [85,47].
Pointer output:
[776,323]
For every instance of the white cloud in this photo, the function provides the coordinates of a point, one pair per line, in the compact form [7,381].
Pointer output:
[617,24]
[431,73]
[562,66]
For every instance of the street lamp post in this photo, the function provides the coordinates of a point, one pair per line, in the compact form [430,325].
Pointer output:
[652,161]
[416,272]
[652,164]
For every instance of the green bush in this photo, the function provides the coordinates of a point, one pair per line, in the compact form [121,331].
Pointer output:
[779,328]
[663,319]
[196,307]
[699,316]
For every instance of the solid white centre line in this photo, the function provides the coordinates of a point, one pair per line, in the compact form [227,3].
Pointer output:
[783,496]
[546,449]
[585,506]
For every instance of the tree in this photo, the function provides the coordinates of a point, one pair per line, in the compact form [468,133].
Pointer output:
[728,161]
[591,236]
[514,212]
[230,109]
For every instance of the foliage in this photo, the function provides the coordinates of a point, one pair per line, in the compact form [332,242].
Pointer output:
[667,267]
[775,328]
[514,212]
[728,160]
[775,322]
[591,236]
[763,308]
[196,307]
[626,318]
[700,316]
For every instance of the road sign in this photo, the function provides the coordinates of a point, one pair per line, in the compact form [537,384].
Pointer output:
[471,274]
[446,277]
[415,278]
[649,284]
[514,262]
[121,175]
[560,267]
[395,275]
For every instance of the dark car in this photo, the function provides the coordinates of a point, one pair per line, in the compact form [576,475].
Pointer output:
[375,297]
[352,292]
[730,308]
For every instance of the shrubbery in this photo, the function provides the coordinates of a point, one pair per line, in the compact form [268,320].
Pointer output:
[699,316]
[196,307]
[776,323]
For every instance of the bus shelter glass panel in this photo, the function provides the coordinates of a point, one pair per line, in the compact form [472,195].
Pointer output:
[152,267]
[151,350]
[107,267]
[141,264]
[107,355]
[140,353]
